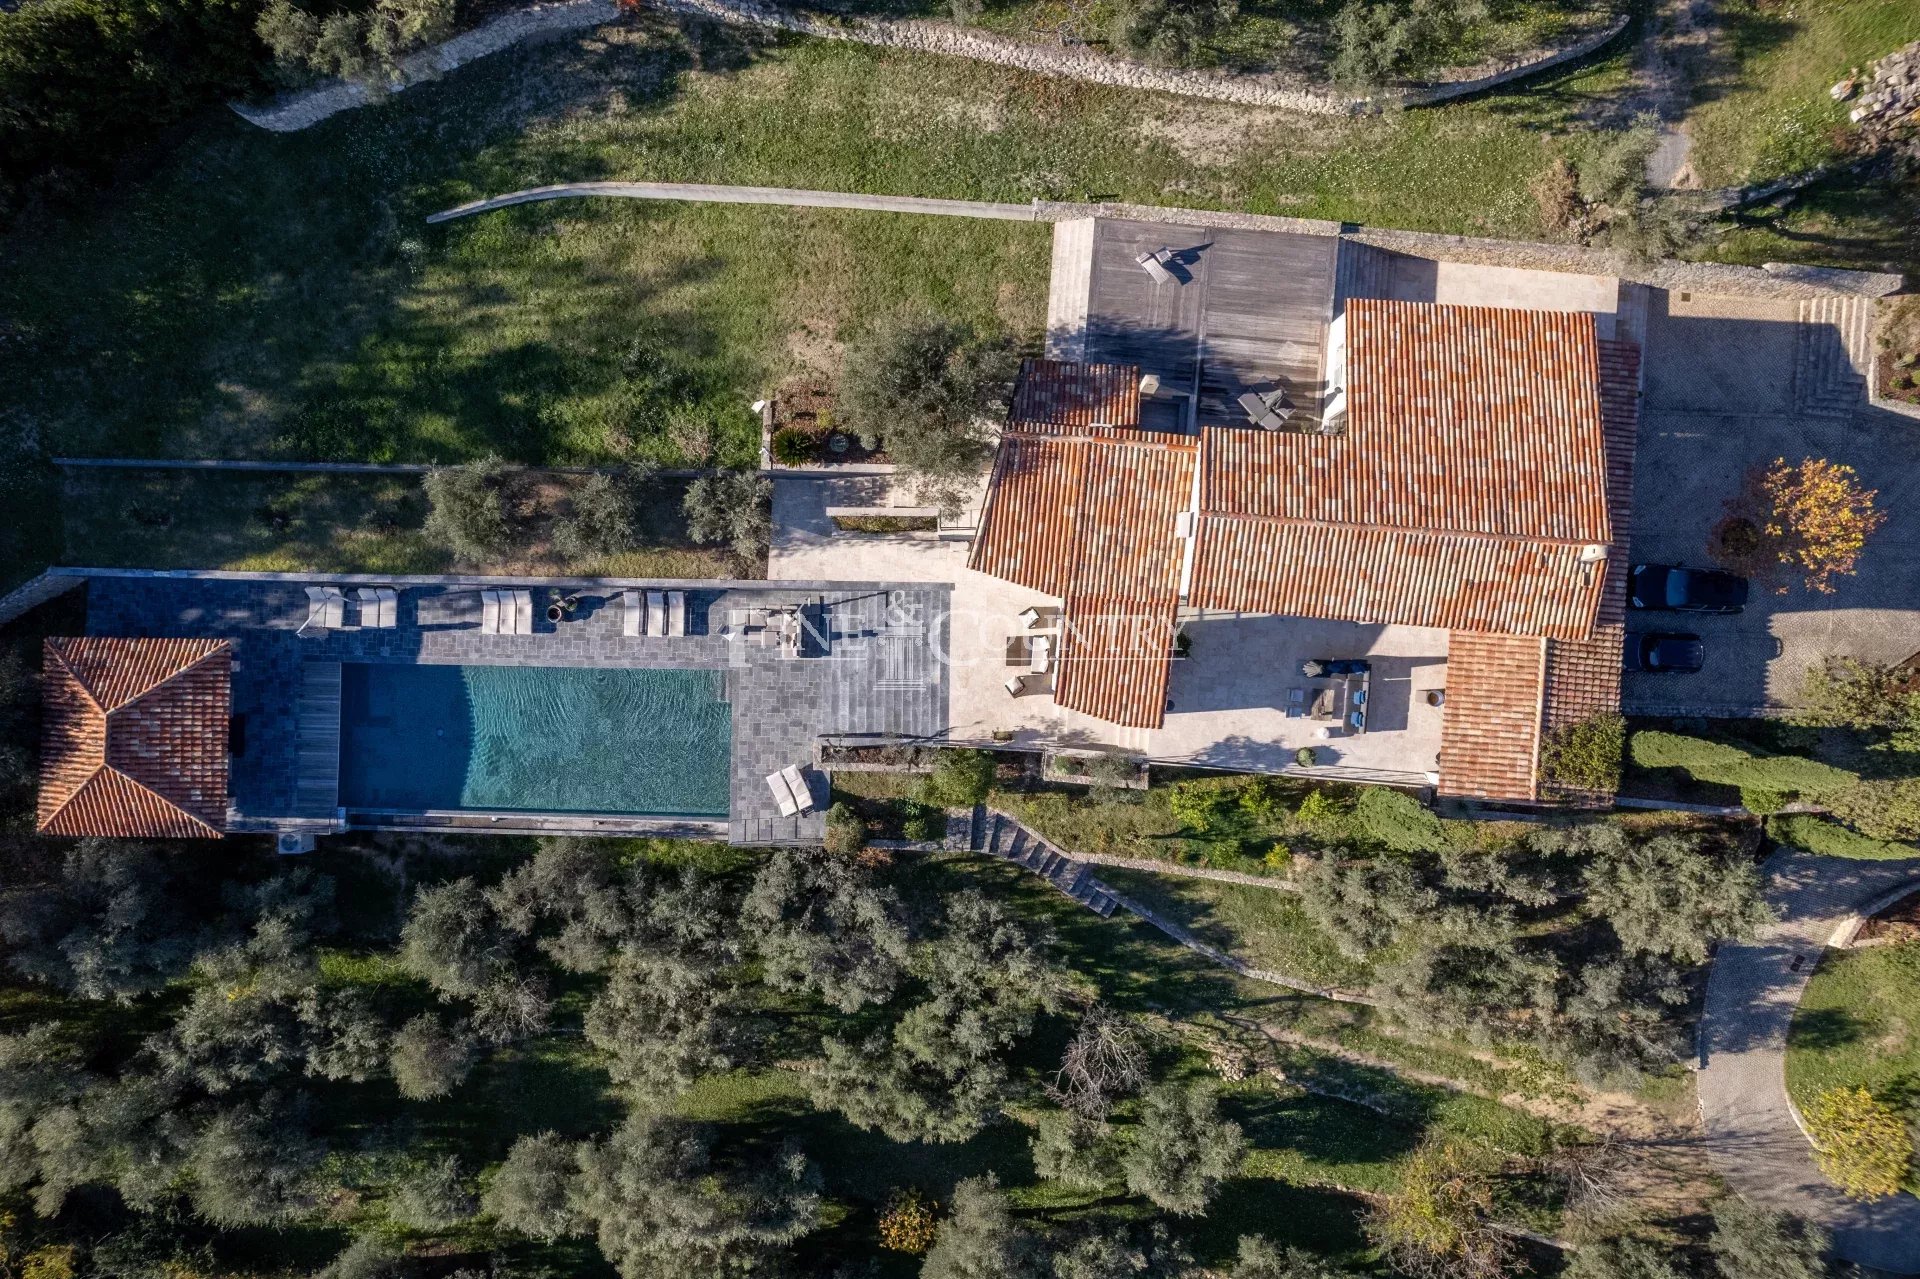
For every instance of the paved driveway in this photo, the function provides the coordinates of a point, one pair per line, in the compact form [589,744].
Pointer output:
[1753,1137]
[1721,398]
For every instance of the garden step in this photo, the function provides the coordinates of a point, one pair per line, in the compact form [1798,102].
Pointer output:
[977,828]
[1831,356]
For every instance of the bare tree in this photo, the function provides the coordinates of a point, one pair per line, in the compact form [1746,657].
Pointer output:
[1106,1059]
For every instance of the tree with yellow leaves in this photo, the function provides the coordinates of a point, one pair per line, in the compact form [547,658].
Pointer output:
[1811,518]
[1860,1142]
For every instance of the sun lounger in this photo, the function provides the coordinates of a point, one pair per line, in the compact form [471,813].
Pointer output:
[783,795]
[1154,264]
[522,612]
[1042,649]
[489,612]
[379,606]
[676,612]
[632,615]
[656,613]
[326,609]
[802,793]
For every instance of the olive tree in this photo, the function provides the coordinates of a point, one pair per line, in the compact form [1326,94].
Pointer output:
[1183,1150]
[821,925]
[533,1190]
[981,1240]
[429,1058]
[469,508]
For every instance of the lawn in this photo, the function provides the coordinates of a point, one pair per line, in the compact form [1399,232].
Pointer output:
[262,522]
[1265,927]
[1766,113]
[1859,1025]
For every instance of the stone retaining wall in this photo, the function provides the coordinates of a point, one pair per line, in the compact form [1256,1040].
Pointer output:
[50,585]
[299,110]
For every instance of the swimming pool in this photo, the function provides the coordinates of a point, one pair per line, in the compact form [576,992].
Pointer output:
[543,739]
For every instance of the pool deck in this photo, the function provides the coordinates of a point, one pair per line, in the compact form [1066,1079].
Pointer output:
[871,665]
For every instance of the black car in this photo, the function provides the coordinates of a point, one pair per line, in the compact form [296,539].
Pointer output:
[1664,653]
[1686,590]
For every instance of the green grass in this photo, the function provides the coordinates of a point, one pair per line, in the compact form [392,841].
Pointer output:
[1858,1025]
[332,523]
[1768,113]
[1265,927]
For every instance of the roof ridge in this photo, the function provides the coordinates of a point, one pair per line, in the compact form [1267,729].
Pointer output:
[59,656]
[1509,539]
[218,647]
[122,775]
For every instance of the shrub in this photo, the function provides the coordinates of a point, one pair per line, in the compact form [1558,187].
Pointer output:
[960,779]
[428,1059]
[731,507]
[1172,32]
[1587,755]
[1306,757]
[366,47]
[1860,1143]
[531,1191]
[846,832]
[469,515]
[431,1196]
[1864,696]
[909,1222]
[1113,770]
[601,521]
[1398,820]
[1880,809]
[1437,1224]
[1830,839]
[792,446]
[1322,809]
[1377,42]
[1761,802]
[1195,805]
[924,823]
[1729,765]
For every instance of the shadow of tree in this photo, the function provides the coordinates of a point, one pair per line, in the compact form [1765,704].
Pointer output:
[1824,1028]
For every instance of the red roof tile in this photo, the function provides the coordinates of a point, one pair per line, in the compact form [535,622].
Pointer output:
[1490,726]
[1053,394]
[134,737]
[1115,658]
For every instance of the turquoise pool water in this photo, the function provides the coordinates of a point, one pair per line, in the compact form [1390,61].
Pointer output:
[534,738]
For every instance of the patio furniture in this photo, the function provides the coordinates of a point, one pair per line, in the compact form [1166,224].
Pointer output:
[1149,385]
[1040,617]
[1017,685]
[633,615]
[1269,412]
[522,612]
[676,612]
[1296,703]
[797,783]
[783,794]
[1154,263]
[1041,647]
[490,612]
[1357,721]
[1323,705]
[656,613]
[326,609]
[379,606]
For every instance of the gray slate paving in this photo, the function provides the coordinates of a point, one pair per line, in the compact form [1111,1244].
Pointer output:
[1752,1135]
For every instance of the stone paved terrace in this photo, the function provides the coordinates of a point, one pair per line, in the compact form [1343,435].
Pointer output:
[871,667]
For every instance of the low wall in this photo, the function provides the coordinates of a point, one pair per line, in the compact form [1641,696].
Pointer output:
[50,585]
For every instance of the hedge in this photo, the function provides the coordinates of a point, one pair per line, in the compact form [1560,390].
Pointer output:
[1731,766]
[1826,838]
[1399,821]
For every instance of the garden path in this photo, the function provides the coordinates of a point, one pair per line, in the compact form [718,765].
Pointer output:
[1753,1133]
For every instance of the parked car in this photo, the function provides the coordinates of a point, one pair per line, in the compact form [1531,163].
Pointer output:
[1686,590]
[1664,653]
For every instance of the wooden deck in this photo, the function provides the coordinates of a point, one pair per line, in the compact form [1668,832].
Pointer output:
[317,786]
[1247,312]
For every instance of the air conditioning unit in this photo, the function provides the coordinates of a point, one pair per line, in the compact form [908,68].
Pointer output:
[293,843]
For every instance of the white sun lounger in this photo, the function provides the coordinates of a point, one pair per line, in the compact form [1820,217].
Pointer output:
[326,608]
[633,615]
[783,794]
[489,612]
[676,612]
[656,613]
[522,612]
[379,606]
[802,793]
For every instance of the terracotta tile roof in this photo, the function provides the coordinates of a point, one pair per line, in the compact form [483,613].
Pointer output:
[1054,394]
[1092,513]
[1409,577]
[1466,492]
[1620,419]
[134,737]
[1115,658]
[1490,726]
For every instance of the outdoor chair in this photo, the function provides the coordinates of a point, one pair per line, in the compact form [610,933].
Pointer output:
[490,612]
[1042,650]
[633,615]
[1017,686]
[797,783]
[676,612]
[522,612]
[783,795]
[1155,265]
[379,606]
[326,609]
[656,613]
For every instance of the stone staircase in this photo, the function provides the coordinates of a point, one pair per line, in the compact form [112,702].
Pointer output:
[1832,355]
[997,835]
